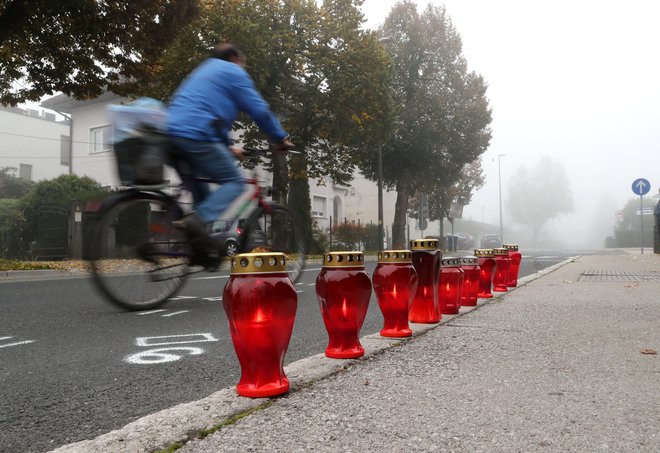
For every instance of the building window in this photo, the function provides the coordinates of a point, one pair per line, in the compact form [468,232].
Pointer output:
[319,206]
[25,171]
[100,139]
[65,150]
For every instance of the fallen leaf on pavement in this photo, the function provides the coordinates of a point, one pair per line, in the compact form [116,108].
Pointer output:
[632,285]
[649,351]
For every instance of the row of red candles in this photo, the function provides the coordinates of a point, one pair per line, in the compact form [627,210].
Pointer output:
[417,286]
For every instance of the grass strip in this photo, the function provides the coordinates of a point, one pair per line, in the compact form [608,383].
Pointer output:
[207,432]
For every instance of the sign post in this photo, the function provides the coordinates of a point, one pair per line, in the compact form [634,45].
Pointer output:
[641,187]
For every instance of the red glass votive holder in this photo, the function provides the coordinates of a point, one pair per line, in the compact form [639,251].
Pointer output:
[343,290]
[502,262]
[395,284]
[487,267]
[450,286]
[260,302]
[426,260]
[514,267]
[471,271]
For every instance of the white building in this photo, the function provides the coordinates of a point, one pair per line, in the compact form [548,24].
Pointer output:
[34,143]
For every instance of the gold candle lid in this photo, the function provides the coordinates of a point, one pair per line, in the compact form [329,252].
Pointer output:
[395,256]
[343,259]
[513,247]
[451,261]
[500,251]
[424,244]
[258,263]
[484,253]
[469,260]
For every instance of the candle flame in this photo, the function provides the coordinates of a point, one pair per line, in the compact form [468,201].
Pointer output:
[344,308]
[425,291]
[394,290]
[259,316]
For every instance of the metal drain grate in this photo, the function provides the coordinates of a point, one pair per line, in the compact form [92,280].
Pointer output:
[619,276]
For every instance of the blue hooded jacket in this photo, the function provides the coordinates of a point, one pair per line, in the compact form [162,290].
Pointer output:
[208,101]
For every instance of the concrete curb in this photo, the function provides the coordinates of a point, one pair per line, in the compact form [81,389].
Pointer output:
[42,274]
[184,422]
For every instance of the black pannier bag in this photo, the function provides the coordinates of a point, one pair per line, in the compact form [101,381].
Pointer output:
[141,158]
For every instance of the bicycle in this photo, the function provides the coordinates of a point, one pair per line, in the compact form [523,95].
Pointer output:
[140,259]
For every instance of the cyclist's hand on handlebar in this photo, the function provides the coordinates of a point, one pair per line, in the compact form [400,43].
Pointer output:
[283,145]
[238,152]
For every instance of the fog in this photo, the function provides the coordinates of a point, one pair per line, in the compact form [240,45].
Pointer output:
[576,81]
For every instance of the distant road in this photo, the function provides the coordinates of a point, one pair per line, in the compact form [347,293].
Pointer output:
[73,367]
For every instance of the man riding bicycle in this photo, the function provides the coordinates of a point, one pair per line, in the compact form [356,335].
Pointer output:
[200,116]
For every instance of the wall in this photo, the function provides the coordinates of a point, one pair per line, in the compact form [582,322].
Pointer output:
[32,140]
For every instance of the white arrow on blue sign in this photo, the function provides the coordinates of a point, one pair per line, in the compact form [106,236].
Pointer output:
[641,186]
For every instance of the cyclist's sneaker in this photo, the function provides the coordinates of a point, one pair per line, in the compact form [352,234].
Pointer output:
[205,250]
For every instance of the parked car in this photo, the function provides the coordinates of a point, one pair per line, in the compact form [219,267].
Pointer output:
[227,231]
[489,241]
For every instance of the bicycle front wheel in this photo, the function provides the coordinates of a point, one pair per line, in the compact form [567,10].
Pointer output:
[275,228]
[139,259]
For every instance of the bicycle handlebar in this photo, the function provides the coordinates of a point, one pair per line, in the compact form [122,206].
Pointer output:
[252,153]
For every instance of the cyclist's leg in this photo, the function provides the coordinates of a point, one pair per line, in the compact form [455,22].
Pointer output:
[218,163]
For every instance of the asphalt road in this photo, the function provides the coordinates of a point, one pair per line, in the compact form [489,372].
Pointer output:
[73,367]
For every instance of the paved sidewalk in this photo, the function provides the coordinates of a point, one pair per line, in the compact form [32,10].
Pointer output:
[558,364]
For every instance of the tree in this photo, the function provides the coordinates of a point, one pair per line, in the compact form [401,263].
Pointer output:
[83,47]
[11,186]
[461,187]
[538,195]
[441,116]
[322,74]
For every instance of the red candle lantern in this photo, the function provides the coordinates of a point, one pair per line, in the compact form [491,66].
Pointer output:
[501,277]
[343,289]
[450,286]
[395,284]
[471,271]
[514,267]
[487,266]
[426,260]
[260,302]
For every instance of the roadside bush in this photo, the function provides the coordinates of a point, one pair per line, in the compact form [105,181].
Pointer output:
[60,192]
[354,237]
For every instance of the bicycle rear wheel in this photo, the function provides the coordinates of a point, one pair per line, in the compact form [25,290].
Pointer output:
[276,229]
[139,259]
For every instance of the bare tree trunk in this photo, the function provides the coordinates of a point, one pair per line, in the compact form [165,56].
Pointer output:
[280,178]
[400,214]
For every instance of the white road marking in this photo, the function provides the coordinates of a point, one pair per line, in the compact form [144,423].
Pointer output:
[212,299]
[312,269]
[211,278]
[181,297]
[311,284]
[14,344]
[180,339]
[175,313]
[160,355]
[5,338]
[142,313]
[299,291]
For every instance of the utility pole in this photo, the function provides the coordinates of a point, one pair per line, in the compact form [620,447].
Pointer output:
[499,175]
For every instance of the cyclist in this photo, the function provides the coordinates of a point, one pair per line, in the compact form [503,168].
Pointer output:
[200,116]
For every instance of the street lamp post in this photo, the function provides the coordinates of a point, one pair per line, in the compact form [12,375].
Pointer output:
[379,169]
[499,176]
[380,198]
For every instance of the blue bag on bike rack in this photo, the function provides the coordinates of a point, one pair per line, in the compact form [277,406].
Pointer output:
[140,143]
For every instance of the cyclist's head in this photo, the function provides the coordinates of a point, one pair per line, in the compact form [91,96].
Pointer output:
[229,52]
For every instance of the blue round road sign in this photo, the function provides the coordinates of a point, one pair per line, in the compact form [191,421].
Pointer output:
[641,186]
